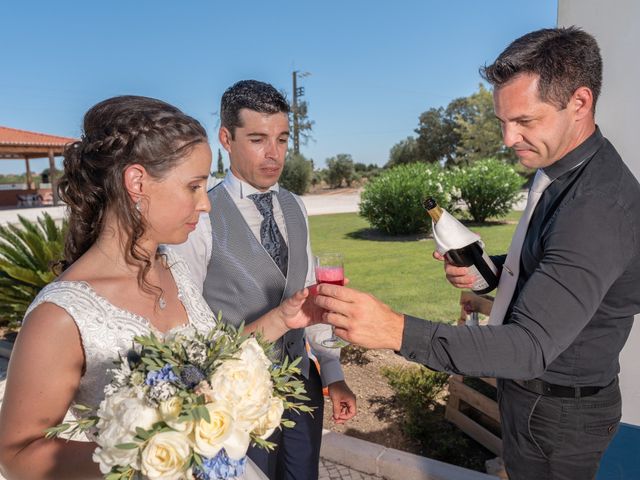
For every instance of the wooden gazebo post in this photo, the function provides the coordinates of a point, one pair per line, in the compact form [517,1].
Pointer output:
[29,179]
[52,179]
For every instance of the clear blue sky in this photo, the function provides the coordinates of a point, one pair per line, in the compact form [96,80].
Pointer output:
[374,68]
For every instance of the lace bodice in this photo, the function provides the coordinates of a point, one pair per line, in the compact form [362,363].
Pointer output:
[107,331]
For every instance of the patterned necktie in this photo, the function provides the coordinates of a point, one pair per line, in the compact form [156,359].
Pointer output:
[270,236]
[511,267]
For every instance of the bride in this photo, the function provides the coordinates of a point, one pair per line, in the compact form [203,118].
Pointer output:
[136,180]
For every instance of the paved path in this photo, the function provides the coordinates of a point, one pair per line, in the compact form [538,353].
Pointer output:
[335,471]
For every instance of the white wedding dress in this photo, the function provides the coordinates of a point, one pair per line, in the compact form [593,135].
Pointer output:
[107,331]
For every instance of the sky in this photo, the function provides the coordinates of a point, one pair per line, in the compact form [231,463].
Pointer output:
[374,66]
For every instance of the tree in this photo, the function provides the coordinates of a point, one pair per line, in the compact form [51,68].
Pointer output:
[480,135]
[305,124]
[45,177]
[340,168]
[56,172]
[405,151]
[220,164]
[436,136]
[296,174]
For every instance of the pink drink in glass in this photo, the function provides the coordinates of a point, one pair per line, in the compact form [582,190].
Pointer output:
[330,269]
[332,275]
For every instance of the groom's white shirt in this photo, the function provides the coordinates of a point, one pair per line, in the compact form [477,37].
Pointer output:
[199,246]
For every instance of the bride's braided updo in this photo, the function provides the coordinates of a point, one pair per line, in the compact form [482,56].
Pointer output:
[119,132]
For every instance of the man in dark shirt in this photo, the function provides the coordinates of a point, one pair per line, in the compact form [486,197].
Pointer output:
[577,292]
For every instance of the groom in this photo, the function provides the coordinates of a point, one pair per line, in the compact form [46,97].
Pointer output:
[252,251]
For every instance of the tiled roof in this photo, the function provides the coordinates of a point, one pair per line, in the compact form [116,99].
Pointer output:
[15,137]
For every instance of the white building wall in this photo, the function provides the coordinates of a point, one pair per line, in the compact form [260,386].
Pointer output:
[616,26]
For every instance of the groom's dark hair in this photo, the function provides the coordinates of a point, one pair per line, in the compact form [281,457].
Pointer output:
[253,95]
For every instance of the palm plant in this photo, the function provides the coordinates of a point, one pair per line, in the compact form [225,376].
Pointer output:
[27,253]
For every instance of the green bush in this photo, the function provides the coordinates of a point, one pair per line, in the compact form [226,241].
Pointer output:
[422,395]
[26,255]
[392,201]
[296,174]
[489,188]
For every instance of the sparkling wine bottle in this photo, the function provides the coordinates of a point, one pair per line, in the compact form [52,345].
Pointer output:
[462,247]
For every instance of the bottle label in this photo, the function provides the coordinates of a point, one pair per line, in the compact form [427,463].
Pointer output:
[481,283]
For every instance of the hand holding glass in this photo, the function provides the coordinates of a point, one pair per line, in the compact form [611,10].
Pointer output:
[330,269]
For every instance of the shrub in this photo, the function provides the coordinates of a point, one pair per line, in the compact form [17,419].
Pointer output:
[421,394]
[392,201]
[489,188]
[296,174]
[340,168]
[26,256]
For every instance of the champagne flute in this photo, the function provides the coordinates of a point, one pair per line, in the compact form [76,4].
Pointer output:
[330,269]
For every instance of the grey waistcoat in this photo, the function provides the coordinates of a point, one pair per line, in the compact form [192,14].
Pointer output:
[243,282]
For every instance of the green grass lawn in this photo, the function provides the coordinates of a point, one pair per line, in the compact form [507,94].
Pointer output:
[400,271]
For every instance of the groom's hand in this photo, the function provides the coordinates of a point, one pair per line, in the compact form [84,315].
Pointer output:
[360,318]
[300,311]
[343,401]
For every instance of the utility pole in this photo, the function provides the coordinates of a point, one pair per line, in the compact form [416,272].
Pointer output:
[297,92]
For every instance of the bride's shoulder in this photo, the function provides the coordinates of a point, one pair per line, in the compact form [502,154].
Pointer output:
[50,317]
[62,301]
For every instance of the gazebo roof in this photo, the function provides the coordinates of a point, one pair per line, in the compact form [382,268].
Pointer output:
[15,143]
[15,137]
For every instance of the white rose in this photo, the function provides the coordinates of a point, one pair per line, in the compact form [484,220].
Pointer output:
[170,412]
[245,388]
[252,353]
[128,409]
[269,422]
[109,457]
[119,415]
[165,456]
[220,432]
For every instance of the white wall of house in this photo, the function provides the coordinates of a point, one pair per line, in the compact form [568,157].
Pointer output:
[616,26]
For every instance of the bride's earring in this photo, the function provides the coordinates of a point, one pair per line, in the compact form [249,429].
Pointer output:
[138,205]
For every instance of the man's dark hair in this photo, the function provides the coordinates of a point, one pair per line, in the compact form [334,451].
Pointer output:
[564,58]
[253,95]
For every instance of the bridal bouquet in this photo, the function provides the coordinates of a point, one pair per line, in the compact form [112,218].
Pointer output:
[188,407]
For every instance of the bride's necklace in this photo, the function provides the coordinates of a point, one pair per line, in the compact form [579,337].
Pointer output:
[162,301]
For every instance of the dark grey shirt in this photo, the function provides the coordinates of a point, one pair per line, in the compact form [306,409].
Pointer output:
[578,290]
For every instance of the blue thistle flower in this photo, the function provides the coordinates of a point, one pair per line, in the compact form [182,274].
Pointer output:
[191,376]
